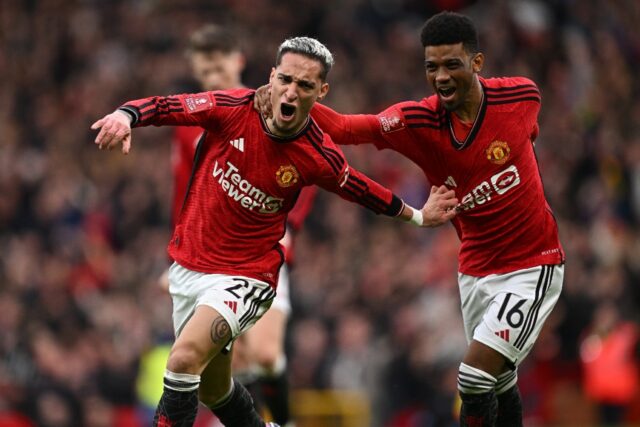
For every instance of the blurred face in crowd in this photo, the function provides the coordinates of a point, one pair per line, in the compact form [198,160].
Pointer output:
[295,86]
[217,70]
[451,72]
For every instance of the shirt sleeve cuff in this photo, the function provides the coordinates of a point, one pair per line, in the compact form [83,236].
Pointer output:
[395,207]
[132,113]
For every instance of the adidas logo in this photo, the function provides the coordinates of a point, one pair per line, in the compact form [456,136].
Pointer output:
[451,182]
[238,143]
[504,334]
[233,305]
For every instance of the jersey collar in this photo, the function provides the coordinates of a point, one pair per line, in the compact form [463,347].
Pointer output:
[461,145]
[284,139]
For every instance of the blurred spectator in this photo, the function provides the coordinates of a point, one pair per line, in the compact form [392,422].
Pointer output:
[609,355]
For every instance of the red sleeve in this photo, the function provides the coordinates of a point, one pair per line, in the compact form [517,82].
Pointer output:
[353,185]
[303,206]
[346,129]
[387,129]
[197,109]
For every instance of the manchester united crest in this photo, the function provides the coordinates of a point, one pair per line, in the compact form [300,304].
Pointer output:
[287,176]
[498,152]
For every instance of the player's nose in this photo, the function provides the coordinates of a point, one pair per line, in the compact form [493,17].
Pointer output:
[291,93]
[442,75]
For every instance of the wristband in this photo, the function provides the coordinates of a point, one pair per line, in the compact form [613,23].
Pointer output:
[416,217]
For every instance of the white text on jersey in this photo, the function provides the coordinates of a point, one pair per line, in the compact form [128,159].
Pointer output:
[498,184]
[243,192]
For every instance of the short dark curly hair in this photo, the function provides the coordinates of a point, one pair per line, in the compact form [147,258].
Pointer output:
[450,28]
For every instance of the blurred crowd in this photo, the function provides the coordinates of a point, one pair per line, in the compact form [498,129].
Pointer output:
[376,307]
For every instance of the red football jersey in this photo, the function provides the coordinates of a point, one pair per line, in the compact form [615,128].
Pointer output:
[247,180]
[183,150]
[505,223]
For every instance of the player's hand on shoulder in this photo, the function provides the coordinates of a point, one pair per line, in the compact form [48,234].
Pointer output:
[262,101]
[115,128]
[440,207]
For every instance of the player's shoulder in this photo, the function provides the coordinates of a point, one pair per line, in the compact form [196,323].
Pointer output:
[320,146]
[428,104]
[314,137]
[510,90]
[233,97]
[500,87]
[506,83]
[424,114]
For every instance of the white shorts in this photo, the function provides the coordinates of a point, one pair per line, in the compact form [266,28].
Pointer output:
[506,311]
[282,301]
[240,300]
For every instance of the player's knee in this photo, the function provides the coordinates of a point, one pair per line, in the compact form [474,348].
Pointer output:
[186,359]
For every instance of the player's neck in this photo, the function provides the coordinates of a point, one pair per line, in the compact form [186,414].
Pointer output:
[275,131]
[468,111]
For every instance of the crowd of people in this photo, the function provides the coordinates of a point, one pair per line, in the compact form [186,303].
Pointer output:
[375,303]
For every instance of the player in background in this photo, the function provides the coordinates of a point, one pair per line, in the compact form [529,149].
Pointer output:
[476,136]
[225,243]
[216,60]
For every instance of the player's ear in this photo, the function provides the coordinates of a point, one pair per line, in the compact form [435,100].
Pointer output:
[272,75]
[324,89]
[477,62]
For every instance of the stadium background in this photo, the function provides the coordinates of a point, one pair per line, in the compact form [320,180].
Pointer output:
[83,232]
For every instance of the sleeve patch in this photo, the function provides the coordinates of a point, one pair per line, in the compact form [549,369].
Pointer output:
[390,122]
[198,102]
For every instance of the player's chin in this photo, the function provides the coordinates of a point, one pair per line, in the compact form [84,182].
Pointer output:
[450,104]
[284,126]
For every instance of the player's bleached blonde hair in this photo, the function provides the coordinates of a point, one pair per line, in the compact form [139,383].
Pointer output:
[310,48]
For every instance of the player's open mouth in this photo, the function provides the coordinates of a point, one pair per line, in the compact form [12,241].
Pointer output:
[287,111]
[446,93]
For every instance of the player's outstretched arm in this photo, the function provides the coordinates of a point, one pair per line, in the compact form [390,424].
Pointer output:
[356,187]
[348,129]
[178,110]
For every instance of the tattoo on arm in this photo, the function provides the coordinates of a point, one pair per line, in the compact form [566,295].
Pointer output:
[220,331]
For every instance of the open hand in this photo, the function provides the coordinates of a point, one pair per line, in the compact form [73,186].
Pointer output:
[115,128]
[440,207]
[262,101]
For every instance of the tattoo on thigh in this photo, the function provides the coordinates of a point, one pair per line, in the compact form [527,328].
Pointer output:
[219,330]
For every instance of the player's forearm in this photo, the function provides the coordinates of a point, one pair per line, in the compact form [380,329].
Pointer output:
[439,208]
[346,129]
[162,110]
[359,188]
